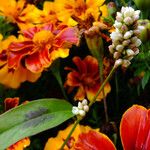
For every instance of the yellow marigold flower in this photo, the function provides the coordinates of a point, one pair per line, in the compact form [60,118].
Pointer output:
[56,142]
[25,15]
[81,12]
[9,77]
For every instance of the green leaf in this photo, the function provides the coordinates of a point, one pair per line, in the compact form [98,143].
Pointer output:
[145,79]
[32,118]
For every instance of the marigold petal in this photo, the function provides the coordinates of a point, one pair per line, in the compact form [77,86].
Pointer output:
[135,128]
[67,37]
[11,103]
[94,141]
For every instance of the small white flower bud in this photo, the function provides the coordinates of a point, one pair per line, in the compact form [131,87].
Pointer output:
[118,62]
[134,39]
[119,48]
[138,43]
[75,110]
[117,24]
[117,55]
[126,63]
[82,113]
[137,12]
[86,108]
[84,102]
[130,52]
[128,20]
[128,12]
[111,49]
[80,106]
[128,34]
[126,42]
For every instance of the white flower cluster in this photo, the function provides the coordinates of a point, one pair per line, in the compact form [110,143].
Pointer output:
[125,41]
[81,109]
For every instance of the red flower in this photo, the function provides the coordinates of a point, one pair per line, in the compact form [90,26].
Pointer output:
[94,141]
[86,78]
[135,128]
[41,46]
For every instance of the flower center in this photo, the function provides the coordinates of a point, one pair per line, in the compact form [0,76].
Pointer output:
[43,38]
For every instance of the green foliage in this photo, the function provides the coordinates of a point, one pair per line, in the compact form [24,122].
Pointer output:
[32,118]
[5,27]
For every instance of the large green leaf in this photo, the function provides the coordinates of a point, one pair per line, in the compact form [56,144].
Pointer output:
[32,118]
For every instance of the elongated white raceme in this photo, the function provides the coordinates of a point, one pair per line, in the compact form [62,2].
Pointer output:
[125,41]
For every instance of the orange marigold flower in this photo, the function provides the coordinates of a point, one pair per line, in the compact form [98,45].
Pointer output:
[81,12]
[41,46]
[94,141]
[10,77]
[56,142]
[86,78]
[135,128]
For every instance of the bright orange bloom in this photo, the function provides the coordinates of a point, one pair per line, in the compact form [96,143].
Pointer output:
[56,142]
[86,78]
[10,77]
[94,141]
[81,12]
[20,145]
[135,128]
[41,46]
[25,15]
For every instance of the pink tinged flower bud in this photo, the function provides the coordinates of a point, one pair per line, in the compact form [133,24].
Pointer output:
[126,63]
[128,34]
[116,35]
[82,113]
[119,17]
[136,32]
[128,20]
[130,52]
[111,49]
[119,48]
[75,110]
[117,55]
[86,108]
[138,42]
[124,28]
[134,39]
[126,42]
[118,62]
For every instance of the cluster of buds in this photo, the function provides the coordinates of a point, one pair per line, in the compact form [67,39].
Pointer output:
[125,41]
[82,108]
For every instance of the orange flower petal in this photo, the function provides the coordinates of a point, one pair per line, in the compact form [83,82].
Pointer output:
[11,103]
[135,128]
[94,141]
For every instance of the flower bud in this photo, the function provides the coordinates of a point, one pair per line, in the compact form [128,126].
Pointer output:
[128,34]
[126,63]
[128,20]
[119,17]
[86,108]
[118,62]
[119,48]
[84,102]
[82,113]
[75,110]
[111,49]
[117,24]
[126,42]
[117,55]
[130,52]
[138,43]
[80,106]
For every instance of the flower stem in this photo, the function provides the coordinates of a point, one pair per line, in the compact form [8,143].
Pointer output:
[69,135]
[93,101]
[102,86]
